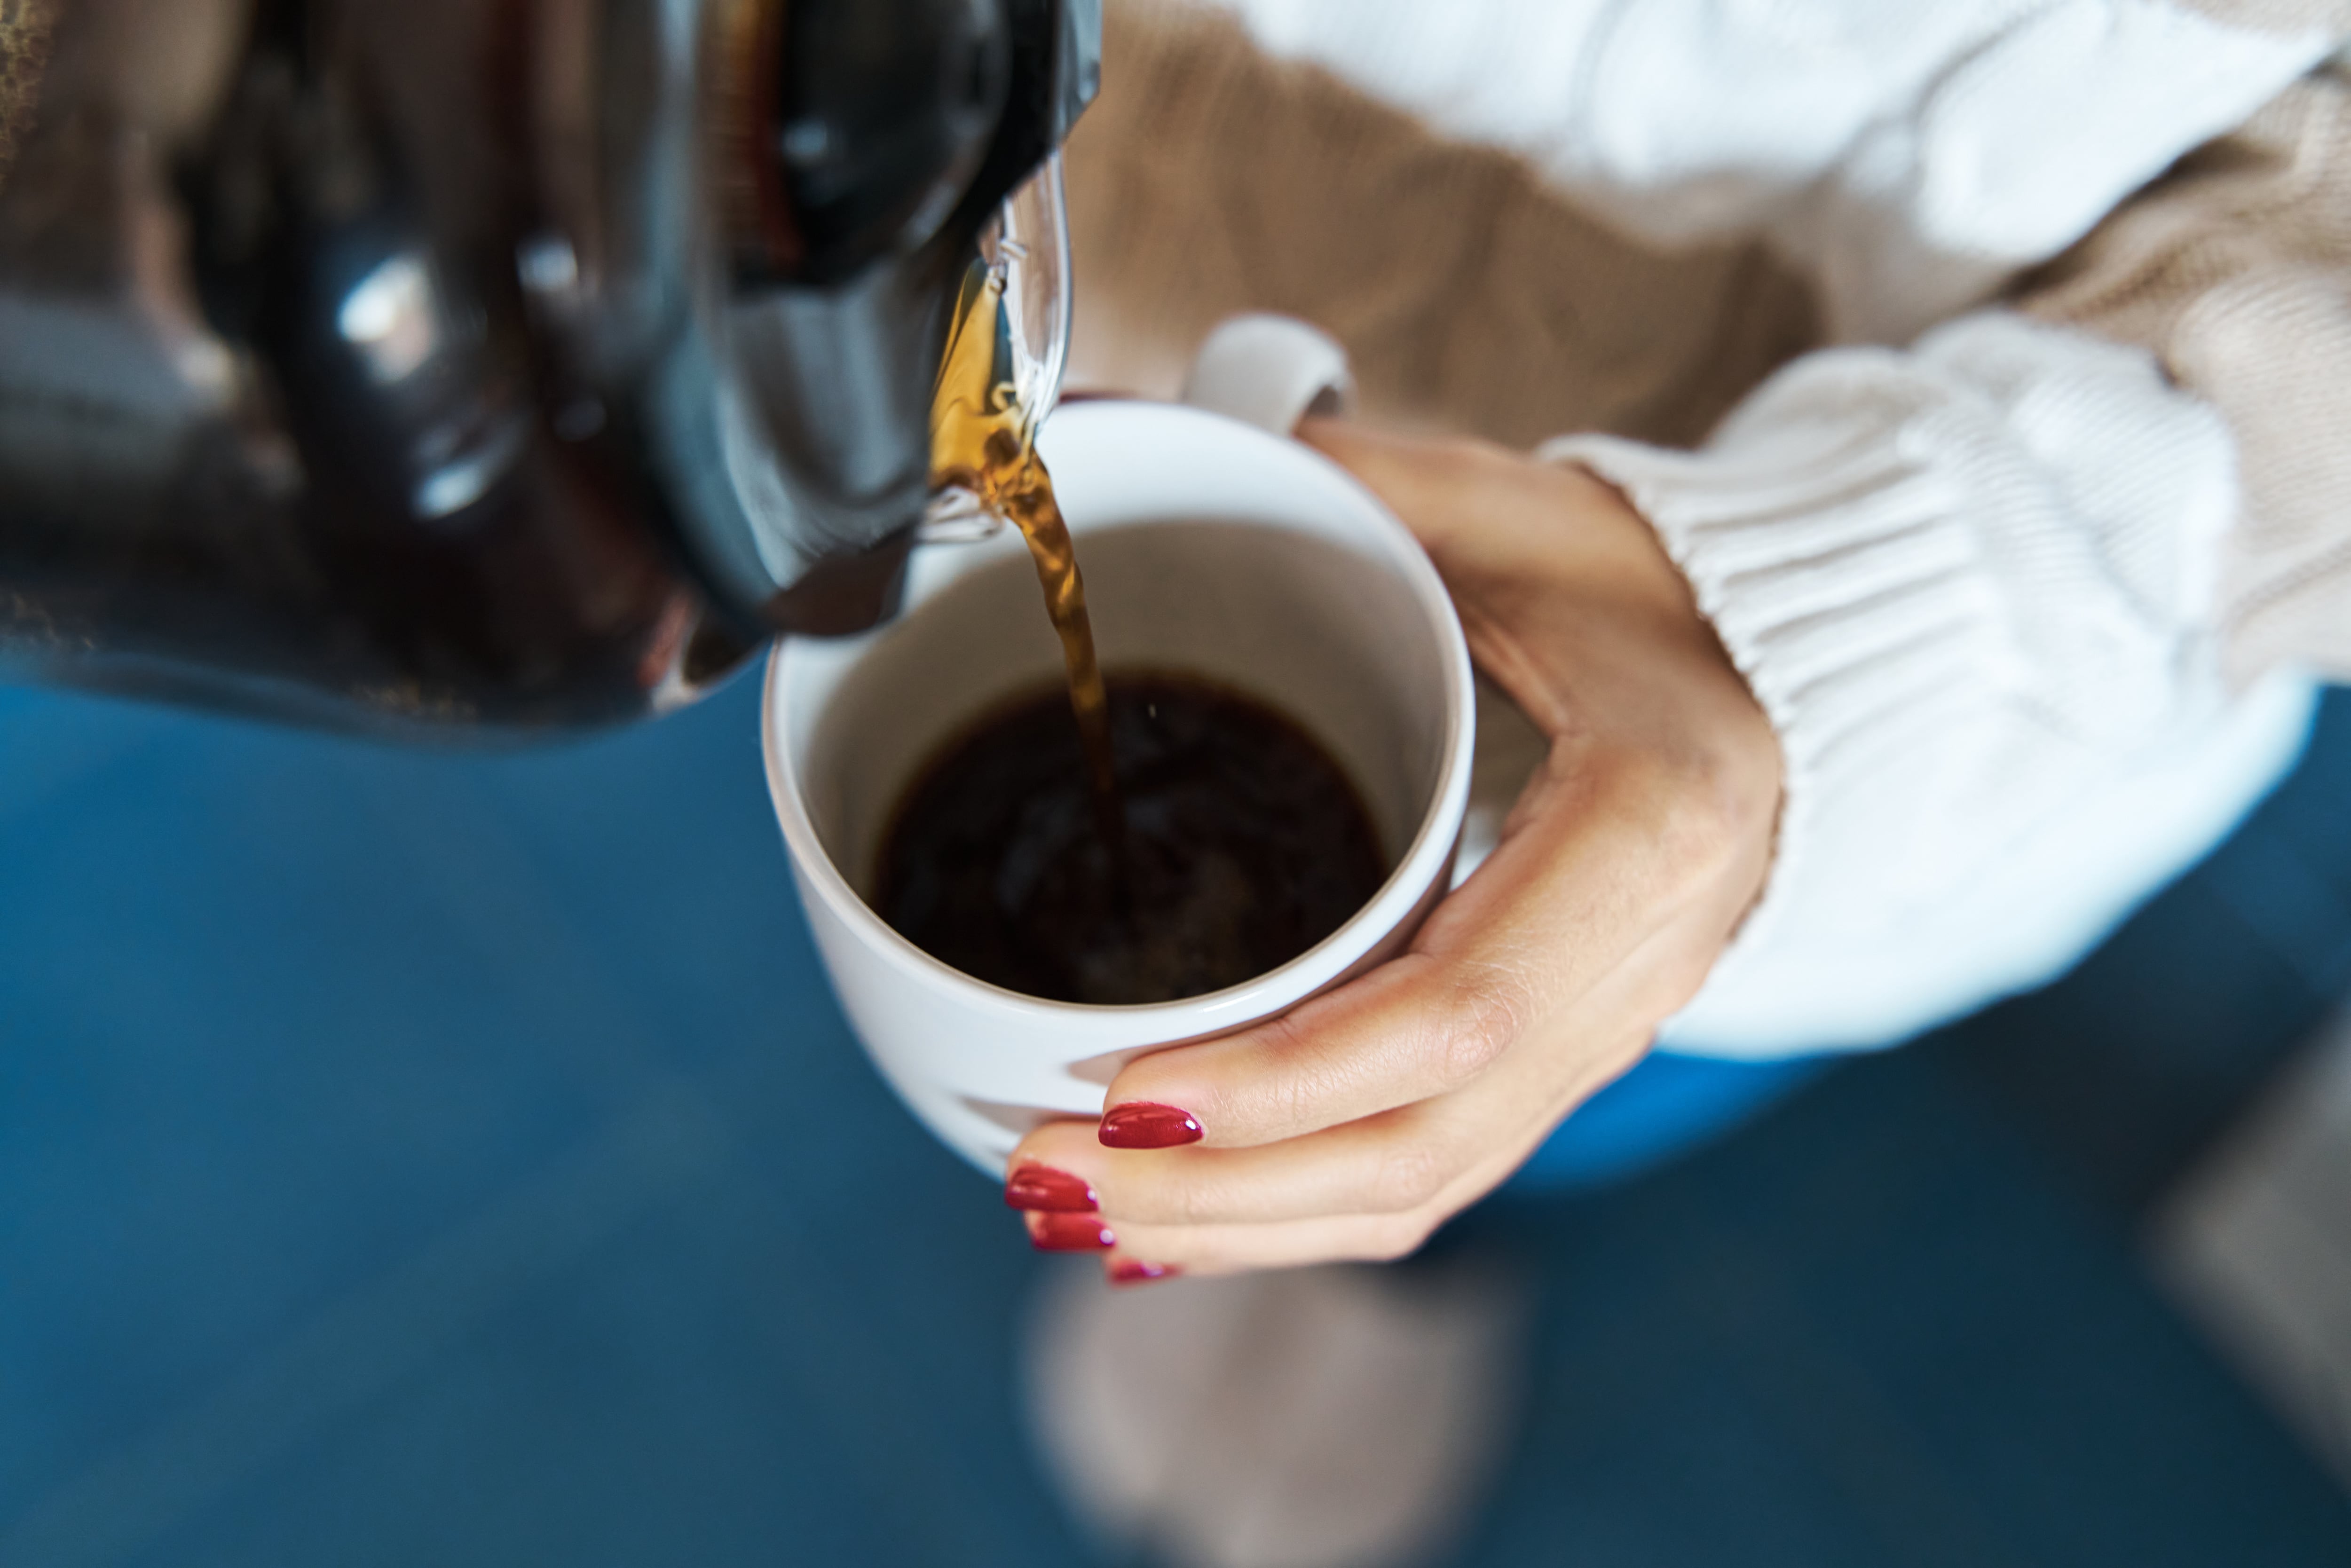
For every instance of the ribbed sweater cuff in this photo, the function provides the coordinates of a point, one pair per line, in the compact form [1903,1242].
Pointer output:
[1842,582]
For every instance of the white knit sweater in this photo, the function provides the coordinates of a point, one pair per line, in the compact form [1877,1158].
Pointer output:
[1969,573]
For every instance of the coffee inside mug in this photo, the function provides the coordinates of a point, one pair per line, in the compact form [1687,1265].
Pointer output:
[1295,614]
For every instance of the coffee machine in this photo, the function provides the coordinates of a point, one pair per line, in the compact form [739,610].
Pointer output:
[463,366]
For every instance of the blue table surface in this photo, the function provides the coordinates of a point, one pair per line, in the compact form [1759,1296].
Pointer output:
[454,1158]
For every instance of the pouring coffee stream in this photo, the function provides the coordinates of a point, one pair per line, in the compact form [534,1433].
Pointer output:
[1231,843]
[984,442]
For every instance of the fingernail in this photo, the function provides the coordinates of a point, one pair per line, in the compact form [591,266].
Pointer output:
[1128,1271]
[1042,1189]
[1069,1233]
[1144,1125]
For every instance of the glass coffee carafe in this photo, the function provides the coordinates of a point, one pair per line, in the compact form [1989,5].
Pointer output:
[463,363]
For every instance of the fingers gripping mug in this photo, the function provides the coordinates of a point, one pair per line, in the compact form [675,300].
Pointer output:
[1211,545]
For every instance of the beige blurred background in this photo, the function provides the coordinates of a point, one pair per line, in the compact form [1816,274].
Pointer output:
[1210,179]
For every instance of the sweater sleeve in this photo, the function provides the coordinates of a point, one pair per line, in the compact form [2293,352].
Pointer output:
[2033,605]
[2234,272]
[1973,583]
[1908,158]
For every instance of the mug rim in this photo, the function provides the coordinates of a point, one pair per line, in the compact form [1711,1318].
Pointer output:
[1426,858]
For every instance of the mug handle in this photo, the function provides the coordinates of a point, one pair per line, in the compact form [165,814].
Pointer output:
[1270,371]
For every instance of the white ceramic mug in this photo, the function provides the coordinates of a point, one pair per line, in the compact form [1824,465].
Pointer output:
[1210,546]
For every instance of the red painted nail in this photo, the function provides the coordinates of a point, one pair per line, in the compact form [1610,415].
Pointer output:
[1042,1189]
[1144,1125]
[1069,1233]
[1128,1271]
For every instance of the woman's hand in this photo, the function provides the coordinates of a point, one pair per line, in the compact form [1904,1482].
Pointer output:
[1357,1123]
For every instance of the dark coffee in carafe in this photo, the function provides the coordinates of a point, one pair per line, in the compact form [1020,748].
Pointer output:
[1241,844]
